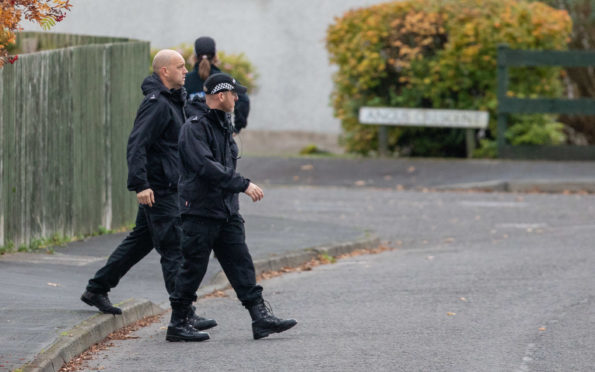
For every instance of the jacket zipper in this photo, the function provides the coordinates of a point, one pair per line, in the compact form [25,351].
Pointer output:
[226,140]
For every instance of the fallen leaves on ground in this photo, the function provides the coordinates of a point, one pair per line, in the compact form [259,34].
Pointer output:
[216,294]
[321,260]
[80,362]
[358,252]
[576,192]
[534,190]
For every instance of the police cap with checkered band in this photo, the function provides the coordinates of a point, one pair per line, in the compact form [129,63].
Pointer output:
[222,82]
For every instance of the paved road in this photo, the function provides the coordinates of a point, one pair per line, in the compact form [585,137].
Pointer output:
[478,282]
[408,173]
[323,201]
[39,296]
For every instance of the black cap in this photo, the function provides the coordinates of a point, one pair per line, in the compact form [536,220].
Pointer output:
[204,45]
[222,82]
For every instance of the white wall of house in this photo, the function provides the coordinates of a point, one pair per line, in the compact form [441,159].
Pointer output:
[285,39]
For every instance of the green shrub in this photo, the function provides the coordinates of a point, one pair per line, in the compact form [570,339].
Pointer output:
[436,54]
[486,149]
[101,230]
[535,130]
[7,247]
[237,65]
[312,149]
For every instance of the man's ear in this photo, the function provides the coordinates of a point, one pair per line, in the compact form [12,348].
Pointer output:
[163,70]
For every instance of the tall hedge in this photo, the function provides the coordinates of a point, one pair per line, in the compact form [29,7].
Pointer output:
[438,54]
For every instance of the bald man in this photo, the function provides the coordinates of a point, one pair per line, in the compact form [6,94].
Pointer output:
[152,156]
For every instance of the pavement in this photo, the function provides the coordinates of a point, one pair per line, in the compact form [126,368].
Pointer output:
[44,323]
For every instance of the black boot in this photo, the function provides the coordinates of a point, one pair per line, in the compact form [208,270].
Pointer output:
[264,322]
[180,329]
[100,301]
[199,322]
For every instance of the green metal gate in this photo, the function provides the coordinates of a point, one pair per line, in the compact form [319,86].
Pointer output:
[507,105]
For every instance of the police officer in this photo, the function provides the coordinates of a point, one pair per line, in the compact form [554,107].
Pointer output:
[206,65]
[208,190]
[152,156]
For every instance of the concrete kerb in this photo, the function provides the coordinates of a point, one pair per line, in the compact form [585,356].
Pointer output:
[294,259]
[99,326]
[524,186]
[89,332]
[579,185]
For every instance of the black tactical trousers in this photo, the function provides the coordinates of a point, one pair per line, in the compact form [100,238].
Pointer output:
[157,226]
[228,240]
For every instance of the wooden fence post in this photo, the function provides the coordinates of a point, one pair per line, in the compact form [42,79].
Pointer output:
[2,196]
[64,123]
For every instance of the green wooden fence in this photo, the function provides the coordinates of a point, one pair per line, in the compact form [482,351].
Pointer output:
[66,115]
[507,105]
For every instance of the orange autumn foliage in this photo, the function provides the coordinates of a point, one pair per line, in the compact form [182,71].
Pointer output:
[44,12]
[436,54]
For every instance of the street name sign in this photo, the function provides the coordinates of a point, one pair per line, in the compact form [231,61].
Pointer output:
[423,117]
[437,118]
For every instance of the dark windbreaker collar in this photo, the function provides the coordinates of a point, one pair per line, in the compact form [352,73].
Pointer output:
[220,117]
[152,84]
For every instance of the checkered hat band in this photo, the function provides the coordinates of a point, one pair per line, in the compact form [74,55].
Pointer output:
[222,86]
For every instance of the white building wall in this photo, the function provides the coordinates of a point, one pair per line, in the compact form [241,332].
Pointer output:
[285,39]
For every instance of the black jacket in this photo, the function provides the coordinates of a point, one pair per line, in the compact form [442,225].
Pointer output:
[209,184]
[194,85]
[152,151]
[195,106]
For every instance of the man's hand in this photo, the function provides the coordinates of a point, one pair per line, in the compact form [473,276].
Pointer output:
[146,197]
[254,192]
